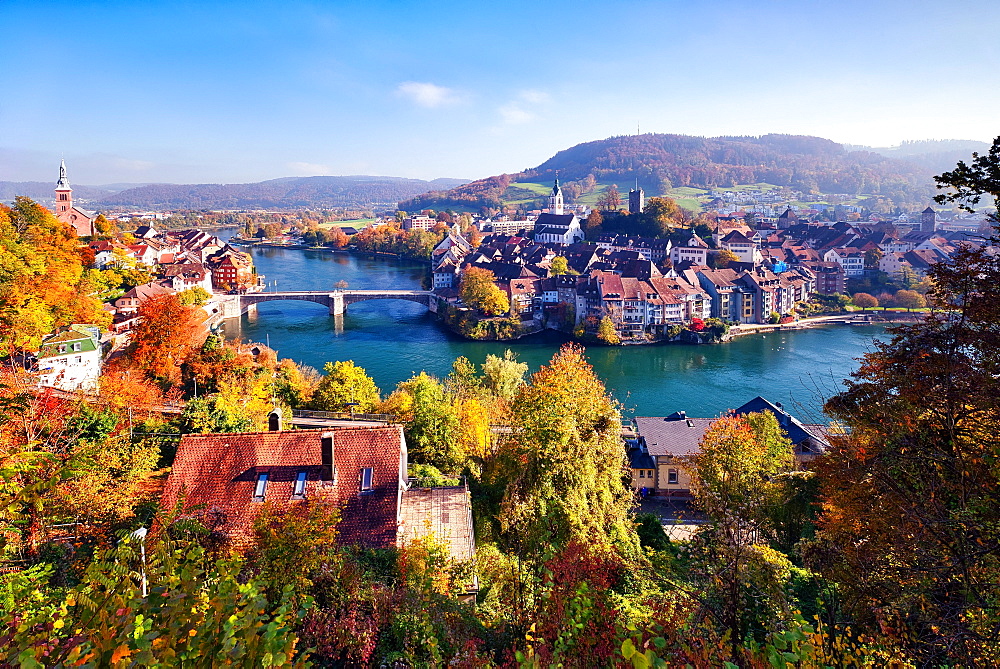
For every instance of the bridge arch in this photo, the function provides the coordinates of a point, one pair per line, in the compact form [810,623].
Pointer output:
[337,301]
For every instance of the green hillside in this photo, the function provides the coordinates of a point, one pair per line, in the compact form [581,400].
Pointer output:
[687,167]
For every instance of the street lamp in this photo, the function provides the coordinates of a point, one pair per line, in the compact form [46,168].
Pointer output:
[140,535]
[352,405]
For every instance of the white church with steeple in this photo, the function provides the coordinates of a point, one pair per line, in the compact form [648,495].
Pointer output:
[556,199]
[556,226]
[80,220]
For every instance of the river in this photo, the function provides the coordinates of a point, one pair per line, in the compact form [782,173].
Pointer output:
[394,339]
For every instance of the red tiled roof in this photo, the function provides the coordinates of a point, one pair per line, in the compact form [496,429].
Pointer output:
[216,474]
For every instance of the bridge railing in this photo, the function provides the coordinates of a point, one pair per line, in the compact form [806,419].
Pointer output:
[344,415]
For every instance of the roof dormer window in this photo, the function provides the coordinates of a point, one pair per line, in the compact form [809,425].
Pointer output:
[260,488]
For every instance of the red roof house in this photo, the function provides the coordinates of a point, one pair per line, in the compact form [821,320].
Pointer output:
[226,478]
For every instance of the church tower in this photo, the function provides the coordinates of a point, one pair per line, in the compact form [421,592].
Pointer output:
[64,194]
[556,199]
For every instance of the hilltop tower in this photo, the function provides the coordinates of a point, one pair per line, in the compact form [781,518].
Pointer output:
[64,194]
[556,199]
[636,199]
[928,220]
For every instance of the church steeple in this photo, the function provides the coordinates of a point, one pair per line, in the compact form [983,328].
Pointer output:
[64,194]
[556,198]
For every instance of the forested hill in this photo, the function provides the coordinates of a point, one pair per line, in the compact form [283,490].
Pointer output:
[284,193]
[660,162]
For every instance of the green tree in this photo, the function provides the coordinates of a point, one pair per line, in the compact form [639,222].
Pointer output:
[345,386]
[432,430]
[872,258]
[504,376]
[196,608]
[479,291]
[196,296]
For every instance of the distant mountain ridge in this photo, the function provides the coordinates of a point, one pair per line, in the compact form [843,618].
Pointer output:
[659,162]
[938,155]
[318,192]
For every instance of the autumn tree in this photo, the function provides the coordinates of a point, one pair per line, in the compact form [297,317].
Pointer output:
[105,228]
[594,221]
[337,238]
[734,480]
[909,299]
[864,300]
[724,258]
[561,469]
[165,337]
[479,291]
[607,333]
[345,386]
[295,384]
[559,266]
[611,199]
[42,280]
[663,214]
[911,522]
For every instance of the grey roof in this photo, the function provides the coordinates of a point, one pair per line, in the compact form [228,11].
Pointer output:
[811,438]
[677,435]
[672,436]
[563,220]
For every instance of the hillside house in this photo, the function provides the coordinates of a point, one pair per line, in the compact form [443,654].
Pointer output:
[225,479]
[70,359]
[669,442]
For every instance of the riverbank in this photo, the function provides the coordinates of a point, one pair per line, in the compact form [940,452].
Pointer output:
[534,327]
[394,340]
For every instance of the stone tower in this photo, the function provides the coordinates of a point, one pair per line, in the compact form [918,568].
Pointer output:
[556,199]
[64,194]
[928,220]
[636,199]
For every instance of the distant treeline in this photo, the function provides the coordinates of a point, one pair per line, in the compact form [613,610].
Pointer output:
[660,162]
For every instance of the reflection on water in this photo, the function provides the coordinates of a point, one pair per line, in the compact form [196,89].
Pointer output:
[396,339]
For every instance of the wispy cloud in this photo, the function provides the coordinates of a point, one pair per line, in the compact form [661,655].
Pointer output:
[428,95]
[523,108]
[308,169]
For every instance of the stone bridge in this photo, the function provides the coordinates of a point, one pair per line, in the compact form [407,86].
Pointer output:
[336,301]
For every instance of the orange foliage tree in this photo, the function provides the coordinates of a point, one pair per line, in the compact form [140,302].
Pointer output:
[165,338]
[43,283]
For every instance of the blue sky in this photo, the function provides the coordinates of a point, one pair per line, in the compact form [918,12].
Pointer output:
[190,92]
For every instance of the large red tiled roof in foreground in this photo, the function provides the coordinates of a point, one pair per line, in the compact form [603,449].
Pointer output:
[217,473]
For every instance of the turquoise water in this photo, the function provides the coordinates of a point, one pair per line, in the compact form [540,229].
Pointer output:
[395,339]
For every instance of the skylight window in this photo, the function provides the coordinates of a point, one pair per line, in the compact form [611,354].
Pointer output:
[260,489]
